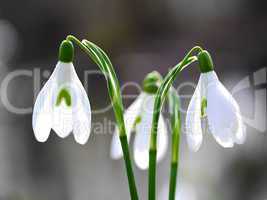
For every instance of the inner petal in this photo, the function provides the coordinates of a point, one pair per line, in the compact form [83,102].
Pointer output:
[62,120]
[62,111]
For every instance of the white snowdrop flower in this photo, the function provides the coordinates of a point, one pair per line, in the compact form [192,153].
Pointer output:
[138,117]
[213,101]
[62,104]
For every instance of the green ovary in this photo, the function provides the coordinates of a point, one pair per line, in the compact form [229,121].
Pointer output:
[64,95]
[137,121]
[204,104]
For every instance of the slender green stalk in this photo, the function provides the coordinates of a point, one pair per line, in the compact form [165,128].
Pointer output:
[174,107]
[159,100]
[105,65]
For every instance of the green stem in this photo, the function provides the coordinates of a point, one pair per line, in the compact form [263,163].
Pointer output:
[174,105]
[129,170]
[105,65]
[159,100]
[152,174]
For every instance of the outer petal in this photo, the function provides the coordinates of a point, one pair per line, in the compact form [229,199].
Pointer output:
[162,140]
[81,114]
[130,116]
[143,129]
[223,113]
[193,119]
[42,111]
[240,135]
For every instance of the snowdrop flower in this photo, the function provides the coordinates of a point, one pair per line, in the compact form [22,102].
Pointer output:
[62,104]
[139,117]
[213,101]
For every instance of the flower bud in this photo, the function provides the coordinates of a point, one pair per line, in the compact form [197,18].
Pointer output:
[205,62]
[151,82]
[66,51]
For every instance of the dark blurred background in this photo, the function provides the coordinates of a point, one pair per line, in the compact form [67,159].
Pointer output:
[139,36]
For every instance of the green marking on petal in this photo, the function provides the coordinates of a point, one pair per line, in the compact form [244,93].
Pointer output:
[204,104]
[137,121]
[64,95]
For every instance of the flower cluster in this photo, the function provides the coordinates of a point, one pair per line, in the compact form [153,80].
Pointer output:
[63,105]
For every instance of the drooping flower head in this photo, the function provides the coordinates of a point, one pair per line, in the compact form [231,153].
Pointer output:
[62,104]
[138,117]
[211,100]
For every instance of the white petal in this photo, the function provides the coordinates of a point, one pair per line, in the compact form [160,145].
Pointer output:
[64,73]
[162,140]
[42,118]
[62,120]
[130,116]
[193,119]
[65,78]
[42,111]
[223,113]
[63,114]
[241,135]
[142,138]
[115,148]
[81,114]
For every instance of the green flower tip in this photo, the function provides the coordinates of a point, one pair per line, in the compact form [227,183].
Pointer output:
[205,62]
[66,51]
[151,82]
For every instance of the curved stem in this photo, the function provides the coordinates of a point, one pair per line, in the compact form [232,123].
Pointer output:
[160,98]
[105,65]
[174,107]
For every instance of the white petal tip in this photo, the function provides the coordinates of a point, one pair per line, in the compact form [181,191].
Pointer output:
[81,143]
[62,134]
[141,160]
[82,131]
[81,134]
[226,145]
[42,140]
[41,133]
[115,157]
[41,127]
[115,146]
[242,136]
[115,154]
[194,142]
[142,166]
[41,137]
[82,140]
[241,140]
